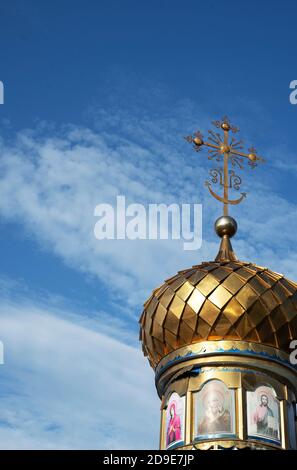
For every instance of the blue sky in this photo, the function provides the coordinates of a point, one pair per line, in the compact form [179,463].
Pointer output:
[98,97]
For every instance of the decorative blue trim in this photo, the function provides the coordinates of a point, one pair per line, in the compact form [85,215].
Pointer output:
[178,358]
[230,351]
[207,437]
[176,444]
[264,439]
[203,370]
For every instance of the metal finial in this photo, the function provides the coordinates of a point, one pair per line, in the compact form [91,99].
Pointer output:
[225,149]
[226,227]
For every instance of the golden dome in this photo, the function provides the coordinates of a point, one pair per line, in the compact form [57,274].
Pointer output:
[219,300]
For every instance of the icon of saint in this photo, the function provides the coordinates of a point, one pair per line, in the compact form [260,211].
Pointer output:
[174,426]
[216,417]
[264,417]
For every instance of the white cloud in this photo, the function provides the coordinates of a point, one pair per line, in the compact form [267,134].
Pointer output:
[66,386]
[51,185]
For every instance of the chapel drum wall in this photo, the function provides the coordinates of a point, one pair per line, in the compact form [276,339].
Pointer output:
[224,405]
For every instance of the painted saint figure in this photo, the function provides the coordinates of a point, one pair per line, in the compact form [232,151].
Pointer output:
[264,418]
[263,413]
[174,426]
[216,417]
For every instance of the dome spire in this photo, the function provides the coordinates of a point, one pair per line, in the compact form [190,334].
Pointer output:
[225,228]
[225,150]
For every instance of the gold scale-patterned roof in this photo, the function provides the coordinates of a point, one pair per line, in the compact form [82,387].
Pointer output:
[216,301]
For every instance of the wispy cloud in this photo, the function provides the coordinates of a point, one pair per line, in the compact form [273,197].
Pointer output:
[66,386]
[52,180]
[52,184]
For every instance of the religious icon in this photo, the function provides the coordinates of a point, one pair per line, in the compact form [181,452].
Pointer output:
[263,413]
[214,410]
[175,416]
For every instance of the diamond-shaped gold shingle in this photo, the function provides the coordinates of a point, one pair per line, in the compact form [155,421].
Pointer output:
[196,300]
[233,310]
[220,296]
[233,283]
[189,317]
[246,296]
[207,285]
[209,312]
[185,290]
[177,306]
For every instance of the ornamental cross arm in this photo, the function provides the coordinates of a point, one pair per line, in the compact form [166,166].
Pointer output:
[227,150]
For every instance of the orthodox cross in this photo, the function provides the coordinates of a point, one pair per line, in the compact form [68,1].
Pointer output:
[225,149]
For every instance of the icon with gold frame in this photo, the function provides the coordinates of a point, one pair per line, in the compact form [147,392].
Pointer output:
[214,411]
[263,420]
[175,421]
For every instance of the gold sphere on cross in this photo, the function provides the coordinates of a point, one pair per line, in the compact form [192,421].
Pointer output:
[252,157]
[197,141]
[225,126]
